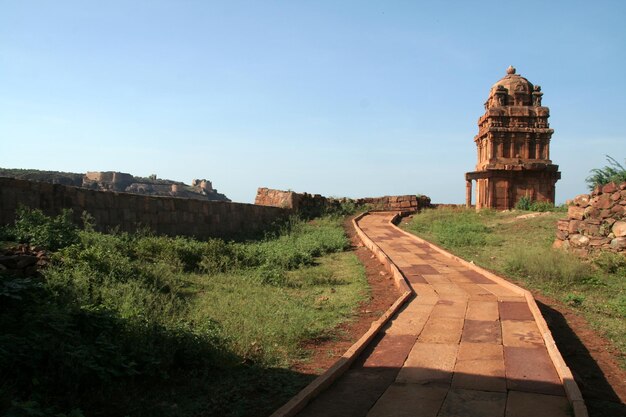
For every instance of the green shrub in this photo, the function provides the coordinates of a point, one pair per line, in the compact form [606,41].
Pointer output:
[613,172]
[35,228]
[612,263]
[115,315]
[527,204]
[523,203]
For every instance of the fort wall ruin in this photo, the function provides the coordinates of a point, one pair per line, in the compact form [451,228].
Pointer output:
[595,221]
[315,203]
[129,212]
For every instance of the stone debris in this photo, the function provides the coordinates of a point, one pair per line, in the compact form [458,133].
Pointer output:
[595,221]
[23,260]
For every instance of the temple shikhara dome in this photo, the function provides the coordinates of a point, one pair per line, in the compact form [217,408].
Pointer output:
[513,147]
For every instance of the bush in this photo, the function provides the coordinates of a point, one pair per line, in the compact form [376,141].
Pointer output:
[613,172]
[523,203]
[527,204]
[611,263]
[35,228]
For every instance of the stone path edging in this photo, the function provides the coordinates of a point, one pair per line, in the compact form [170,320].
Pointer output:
[319,384]
[571,388]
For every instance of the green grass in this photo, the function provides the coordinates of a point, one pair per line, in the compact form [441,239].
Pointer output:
[521,250]
[170,326]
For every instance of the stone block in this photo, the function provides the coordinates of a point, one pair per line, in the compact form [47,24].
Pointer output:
[562,234]
[562,225]
[524,404]
[604,202]
[530,369]
[582,200]
[609,188]
[591,212]
[592,229]
[619,228]
[618,210]
[599,241]
[604,214]
[596,190]
[575,213]
[616,195]
[578,241]
[575,226]
[619,243]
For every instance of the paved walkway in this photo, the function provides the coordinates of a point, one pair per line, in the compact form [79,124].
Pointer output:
[464,346]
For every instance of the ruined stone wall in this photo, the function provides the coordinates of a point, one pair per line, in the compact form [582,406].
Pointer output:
[164,215]
[403,203]
[305,202]
[595,221]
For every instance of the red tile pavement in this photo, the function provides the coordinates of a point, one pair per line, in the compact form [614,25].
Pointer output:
[465,345]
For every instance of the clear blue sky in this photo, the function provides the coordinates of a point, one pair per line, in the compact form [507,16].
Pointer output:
[341,98]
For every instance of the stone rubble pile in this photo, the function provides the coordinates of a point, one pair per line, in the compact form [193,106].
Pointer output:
[23,260]
[595,221]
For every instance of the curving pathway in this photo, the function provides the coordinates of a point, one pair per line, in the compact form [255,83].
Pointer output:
[465,345]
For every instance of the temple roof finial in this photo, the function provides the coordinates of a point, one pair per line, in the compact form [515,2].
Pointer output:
[510,70]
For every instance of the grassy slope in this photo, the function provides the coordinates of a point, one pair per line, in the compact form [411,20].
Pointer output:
[141,325]
[521,249]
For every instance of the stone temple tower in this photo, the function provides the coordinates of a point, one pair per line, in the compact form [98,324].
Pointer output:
[513,146]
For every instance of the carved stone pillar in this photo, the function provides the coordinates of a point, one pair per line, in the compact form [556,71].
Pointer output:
[538,148]
[468,193]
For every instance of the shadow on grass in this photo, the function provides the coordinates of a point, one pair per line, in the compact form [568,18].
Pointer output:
[60,359]
[601,399]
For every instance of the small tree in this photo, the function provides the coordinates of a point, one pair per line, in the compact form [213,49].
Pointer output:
[613,172]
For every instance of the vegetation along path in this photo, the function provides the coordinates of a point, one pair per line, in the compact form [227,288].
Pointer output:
[469,343]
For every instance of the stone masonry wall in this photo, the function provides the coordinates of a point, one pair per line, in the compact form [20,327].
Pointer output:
[403,203]
[164,215]
[595,221]
[312,203]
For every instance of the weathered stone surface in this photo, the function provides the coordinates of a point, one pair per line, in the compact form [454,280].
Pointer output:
[582,200]
[163,215]
[618,210]
[591,212]
[578,241]
[575,226]
[602,225]
[609,188]
[316,204]
[599,241]
[562,234]
[604,202]
[619,228]
[619,243]
[576,213]
[513,144]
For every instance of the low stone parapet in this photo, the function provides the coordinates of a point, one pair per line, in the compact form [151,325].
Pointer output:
[316,203]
